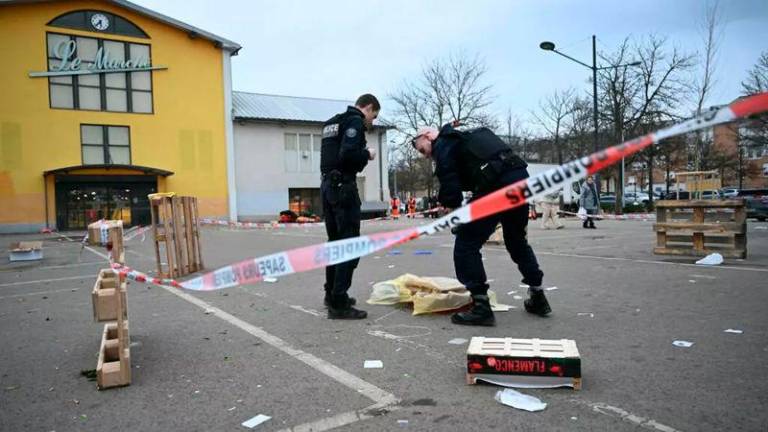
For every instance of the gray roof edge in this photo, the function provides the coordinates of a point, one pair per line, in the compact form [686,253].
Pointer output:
[227,44]
[379,126]
[348,102]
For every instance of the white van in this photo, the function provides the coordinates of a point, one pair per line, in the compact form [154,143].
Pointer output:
[570,193]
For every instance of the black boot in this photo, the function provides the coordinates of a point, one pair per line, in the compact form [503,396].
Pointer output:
[327,300]
[341,308]
[480,314]
[537,304]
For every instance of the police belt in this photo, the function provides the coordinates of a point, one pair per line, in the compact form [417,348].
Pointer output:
[337,176]
[487,175]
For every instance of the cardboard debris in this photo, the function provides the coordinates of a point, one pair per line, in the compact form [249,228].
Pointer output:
[255,421]
[373,364]
[26,251]
[519,400]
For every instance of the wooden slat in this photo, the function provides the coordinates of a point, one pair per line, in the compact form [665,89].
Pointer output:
[708,239]
[723,227]
[196,225]
[727,253]
[699,203]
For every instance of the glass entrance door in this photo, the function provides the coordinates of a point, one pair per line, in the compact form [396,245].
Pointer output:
[79,203]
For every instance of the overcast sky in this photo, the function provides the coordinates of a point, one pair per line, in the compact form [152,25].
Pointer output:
[339,49]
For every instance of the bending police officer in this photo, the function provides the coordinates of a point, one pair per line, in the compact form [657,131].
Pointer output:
[480,162]
[343,154]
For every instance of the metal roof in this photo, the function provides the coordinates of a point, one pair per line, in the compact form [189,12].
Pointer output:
[266,107]
[223,43]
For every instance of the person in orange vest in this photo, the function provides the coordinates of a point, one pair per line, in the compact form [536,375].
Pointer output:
[395,205]
[412,207]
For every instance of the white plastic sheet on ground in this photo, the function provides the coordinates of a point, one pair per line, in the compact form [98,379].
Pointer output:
[711,259]
[519,400]
[428,294]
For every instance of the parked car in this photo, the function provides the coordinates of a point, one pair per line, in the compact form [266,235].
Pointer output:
[674,195]
[729,192]
[636,197]
[757,203]
[713,194]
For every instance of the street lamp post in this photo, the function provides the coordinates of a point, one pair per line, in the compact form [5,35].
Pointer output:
[550,46]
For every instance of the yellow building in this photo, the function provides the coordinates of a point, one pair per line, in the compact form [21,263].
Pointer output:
[103,102]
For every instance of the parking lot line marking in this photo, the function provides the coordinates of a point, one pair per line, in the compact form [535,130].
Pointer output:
[342,419]
[46,280]
[55,266]
[612,411]
[719,267]
[35,293]
[377,395]
[306,311]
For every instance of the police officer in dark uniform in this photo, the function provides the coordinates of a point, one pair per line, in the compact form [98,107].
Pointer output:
[344,154]
[480,162]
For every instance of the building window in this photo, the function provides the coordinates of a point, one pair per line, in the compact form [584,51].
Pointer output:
[113,91]
[105,145]
[302,152]
[98,21]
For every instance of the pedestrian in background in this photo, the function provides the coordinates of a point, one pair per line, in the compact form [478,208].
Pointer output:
[590,201]
[550,205]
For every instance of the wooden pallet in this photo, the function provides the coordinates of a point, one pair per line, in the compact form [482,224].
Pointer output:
[175,225]
[104,296]
[532,362]
[113,368]
[699,228]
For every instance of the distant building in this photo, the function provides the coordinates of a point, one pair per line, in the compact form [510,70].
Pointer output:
[277,156]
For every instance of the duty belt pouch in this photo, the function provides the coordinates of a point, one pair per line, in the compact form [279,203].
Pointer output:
[334,187]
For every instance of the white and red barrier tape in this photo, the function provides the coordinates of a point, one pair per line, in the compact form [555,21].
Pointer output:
[608,216]
[509,197]
[259,225]
[279,225]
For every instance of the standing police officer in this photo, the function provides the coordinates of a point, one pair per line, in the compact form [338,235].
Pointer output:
[344,154]
[480,162]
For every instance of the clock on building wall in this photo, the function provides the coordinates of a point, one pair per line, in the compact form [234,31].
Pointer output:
[99,21]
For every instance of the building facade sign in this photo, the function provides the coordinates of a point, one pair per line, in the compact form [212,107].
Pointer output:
[70,64]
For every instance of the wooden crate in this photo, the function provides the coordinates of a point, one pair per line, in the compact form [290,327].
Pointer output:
[524,362]
[104,296]
[98,232]
[701,227]
[115,245]
[113,368]
[175,225]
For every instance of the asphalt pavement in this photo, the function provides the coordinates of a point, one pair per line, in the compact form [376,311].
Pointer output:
[210,361]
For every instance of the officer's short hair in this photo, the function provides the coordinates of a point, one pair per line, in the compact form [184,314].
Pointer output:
[368,99]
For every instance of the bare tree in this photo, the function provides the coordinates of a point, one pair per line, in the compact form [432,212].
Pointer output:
[449,89]
[551,116]
[639,99]
[757,77]
[711,35]
[754,132]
